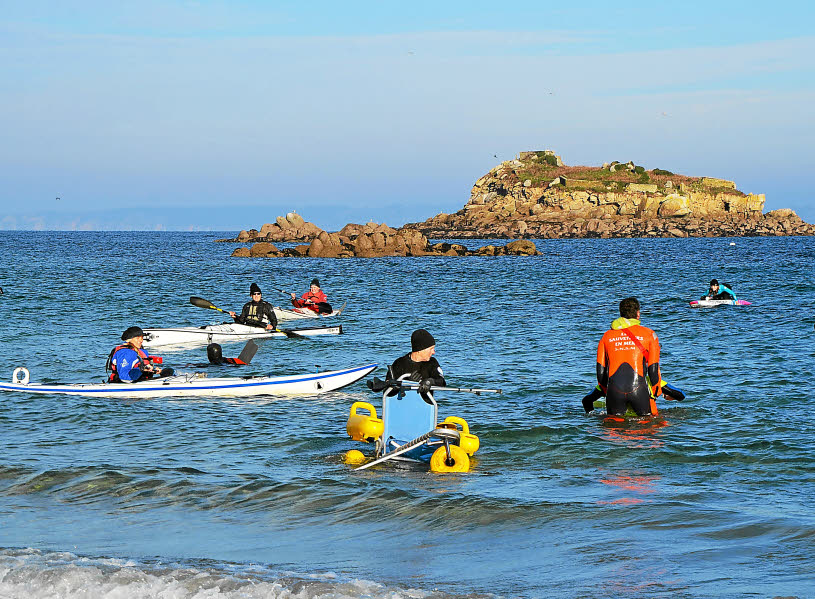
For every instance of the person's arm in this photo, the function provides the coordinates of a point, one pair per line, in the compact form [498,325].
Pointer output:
[133,371]
[588,401]
[653,365]
[602,366]
[271,316]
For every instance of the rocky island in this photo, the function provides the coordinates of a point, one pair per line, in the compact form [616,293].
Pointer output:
[536,196]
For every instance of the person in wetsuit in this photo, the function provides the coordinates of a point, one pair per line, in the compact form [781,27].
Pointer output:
[314,299]
[718,292]
[628,364]
[130,362]
[256,313]
[419,364]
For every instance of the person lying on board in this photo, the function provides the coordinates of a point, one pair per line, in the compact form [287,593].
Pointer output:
[256,313]
[719,292]
[419,365]
[130,362]
[314,299]
[628,364]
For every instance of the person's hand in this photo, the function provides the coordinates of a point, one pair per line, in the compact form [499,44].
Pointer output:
[232,314]
[293,296]
[269,327]
[424,385]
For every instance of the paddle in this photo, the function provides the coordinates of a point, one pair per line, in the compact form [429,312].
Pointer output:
[200,302]
[379,385]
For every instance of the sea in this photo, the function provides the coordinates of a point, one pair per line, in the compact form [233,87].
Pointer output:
[209,498]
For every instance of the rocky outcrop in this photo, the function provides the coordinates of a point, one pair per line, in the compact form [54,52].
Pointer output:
[363,241]
[537,196]
[289,228]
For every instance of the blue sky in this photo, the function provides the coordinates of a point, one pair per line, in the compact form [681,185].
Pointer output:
[222,115]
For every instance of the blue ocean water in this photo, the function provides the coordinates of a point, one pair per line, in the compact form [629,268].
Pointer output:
[206,497]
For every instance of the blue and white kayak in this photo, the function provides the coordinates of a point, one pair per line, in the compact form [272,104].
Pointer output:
[197,384]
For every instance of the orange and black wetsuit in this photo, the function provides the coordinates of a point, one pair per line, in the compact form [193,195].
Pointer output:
[628,367]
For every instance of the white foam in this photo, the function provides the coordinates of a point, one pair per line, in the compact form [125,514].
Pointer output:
[37,574]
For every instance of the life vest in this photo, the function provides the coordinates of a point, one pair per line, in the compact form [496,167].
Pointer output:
[256,314]
[110,365]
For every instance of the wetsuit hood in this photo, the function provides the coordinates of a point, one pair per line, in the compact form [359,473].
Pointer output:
[623,323]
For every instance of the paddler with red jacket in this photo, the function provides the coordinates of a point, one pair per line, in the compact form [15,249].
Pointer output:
[130,362]
[314,299]
[628,364]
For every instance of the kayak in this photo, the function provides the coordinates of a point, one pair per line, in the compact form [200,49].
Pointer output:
[301,313]
[225,333]
[197,384]
[714,303]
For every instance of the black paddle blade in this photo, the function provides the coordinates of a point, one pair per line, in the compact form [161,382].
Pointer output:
[202,303]
[249,351]
[379,385]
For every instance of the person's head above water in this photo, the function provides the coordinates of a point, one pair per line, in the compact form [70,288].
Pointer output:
[132,333]
[254,291]
[422,345]
[714,283]
[214,353]
[630,308]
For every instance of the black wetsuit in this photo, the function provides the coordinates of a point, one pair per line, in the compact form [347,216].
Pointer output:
[257,314]
[724,294]
[406,369]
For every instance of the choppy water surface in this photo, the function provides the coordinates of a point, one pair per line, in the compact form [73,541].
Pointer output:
[250,498]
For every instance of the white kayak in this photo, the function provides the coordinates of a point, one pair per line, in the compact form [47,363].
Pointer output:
[226,333]
[197,384]
[301,313]
[714,303]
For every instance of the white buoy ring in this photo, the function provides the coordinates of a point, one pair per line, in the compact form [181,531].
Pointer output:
[24,379]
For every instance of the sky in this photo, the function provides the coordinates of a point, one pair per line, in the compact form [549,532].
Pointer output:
[223,115]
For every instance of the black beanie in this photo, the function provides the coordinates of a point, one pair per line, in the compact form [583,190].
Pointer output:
[714,282]
[253,288]
[421,339]
[315,282]
[132,332]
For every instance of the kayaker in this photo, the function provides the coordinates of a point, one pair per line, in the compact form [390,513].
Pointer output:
[314,299]
[419,365]
[256,313]
[130,362]
[719,292]
[628,364]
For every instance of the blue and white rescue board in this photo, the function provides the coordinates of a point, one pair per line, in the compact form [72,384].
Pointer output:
[197,384]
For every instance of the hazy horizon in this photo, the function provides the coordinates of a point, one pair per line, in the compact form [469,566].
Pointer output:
[222,116]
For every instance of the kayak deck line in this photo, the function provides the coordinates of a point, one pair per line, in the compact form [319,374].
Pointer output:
[192,383]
